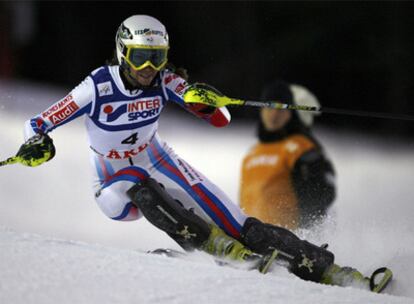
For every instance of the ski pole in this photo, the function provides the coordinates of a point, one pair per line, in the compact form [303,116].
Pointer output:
[9,161]
[200,93]
[279,105]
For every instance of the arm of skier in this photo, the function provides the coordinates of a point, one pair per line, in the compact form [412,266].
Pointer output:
[76,103]
[175,86]
[38,147]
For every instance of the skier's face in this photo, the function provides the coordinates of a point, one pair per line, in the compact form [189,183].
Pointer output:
[274,120]
[145,76]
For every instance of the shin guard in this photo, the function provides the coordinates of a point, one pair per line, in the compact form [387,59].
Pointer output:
[304,259]
[167,214]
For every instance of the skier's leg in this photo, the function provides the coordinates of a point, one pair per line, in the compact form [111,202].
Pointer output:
[188,229]
[208,203]
[198,194]
[213,205]
[305,260]
[194,190]
[112,180]
[202,196]
[167,214]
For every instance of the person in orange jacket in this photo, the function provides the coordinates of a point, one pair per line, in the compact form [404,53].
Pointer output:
[286,178]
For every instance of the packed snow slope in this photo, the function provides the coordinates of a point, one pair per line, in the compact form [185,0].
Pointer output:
[42,270]
[57,246]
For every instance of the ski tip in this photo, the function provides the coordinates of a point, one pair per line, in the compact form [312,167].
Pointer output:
[380,279]
[167,252]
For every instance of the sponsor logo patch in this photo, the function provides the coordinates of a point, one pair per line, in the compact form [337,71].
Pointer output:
[170,78]
[61,110]
[262,160]
[190,174]
[134,110]
[114,154]
[148,32]
[57,106]
[64,113]
[180,88]
[291,146]
[105,88]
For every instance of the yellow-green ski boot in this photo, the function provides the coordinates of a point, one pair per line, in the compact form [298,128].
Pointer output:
[347,276]
[221,245]
[226,248]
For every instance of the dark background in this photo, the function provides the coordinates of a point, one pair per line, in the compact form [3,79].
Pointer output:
[351,55]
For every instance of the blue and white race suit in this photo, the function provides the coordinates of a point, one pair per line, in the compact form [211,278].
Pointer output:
[125,147]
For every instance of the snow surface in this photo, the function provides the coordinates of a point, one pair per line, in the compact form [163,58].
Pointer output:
[57,247]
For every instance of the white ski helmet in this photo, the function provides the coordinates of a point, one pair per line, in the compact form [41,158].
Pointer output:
[142,41]
[302,96]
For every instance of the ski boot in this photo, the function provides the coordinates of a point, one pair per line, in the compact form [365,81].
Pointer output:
[305,260]
[221,245]
[347,276]
[227,249]
[189,230]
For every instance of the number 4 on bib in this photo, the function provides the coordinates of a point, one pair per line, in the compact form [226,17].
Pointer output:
[130,140]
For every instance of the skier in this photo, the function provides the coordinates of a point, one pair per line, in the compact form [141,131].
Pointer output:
[138,174]
[286,178]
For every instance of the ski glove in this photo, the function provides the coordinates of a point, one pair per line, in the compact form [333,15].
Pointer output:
[36,150]
[201,93]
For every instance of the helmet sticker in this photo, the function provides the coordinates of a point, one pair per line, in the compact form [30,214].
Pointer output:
[148,32]
[124,32]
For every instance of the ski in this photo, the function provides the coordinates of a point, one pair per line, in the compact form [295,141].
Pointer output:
[380,279]
[262,263]
[171,253]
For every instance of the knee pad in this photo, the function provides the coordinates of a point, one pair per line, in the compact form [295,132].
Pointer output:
[305,260]
[161,210]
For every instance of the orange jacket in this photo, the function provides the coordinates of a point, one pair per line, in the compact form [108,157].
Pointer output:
[271,181]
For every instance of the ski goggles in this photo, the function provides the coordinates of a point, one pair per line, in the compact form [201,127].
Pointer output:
[140,57]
